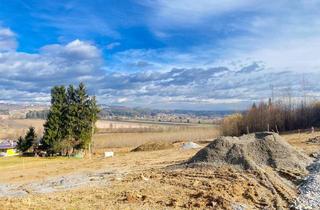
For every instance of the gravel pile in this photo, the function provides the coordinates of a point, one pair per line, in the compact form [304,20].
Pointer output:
[309,189]
[253,151]
[276,165]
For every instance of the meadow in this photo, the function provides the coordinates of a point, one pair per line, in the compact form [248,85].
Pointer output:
[111,134]
[132,139]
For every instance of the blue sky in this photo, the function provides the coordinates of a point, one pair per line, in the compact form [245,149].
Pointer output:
[175,54]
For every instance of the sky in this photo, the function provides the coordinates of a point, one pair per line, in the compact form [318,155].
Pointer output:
[164,54]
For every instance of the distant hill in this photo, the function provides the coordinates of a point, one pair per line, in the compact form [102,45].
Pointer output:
[136,112]
[117,112]
[19,111]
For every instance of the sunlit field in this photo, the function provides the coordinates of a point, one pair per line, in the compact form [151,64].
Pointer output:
[104,140]
[122,134]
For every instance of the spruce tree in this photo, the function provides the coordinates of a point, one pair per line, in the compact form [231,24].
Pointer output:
[21,145]
[54,128]
[30,139]
[70,116]
[71,119]
[83,129]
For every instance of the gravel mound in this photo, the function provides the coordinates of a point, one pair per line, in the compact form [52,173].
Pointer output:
[153,146]
[309,189]
[253,151]
[190,145]
[274,163]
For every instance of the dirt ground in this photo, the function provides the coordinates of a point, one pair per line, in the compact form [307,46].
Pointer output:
[143,180]
[299,140]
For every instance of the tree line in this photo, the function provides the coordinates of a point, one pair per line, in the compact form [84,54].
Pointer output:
[69,125]
[43,114]
[276,117]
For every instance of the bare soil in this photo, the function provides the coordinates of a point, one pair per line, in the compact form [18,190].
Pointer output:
[153,146]
[149,180]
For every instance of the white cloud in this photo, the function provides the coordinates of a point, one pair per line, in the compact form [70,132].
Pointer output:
[55,64]
[192,12]
[275,46]
[76,49]
[283,34]
[113,45]
[122,100]
[7,40]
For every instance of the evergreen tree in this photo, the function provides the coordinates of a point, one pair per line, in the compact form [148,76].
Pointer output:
[54,128]
[24,144]
[31,138]
[83,129]
[71,120]
[21,145]
[70,116]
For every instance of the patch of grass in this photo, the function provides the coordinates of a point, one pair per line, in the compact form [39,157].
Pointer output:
[16,161]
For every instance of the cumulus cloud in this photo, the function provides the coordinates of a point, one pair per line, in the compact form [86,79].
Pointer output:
[7,40]
[75,50]
[54,64]
[27,77]
[240,70]
[204,87]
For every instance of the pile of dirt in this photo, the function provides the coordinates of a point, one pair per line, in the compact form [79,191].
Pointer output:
[153,146]
[275,164]
[251,151]
[314,140]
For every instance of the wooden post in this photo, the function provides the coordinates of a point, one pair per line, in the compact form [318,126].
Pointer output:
[92,133]
[89,150]
[268,127]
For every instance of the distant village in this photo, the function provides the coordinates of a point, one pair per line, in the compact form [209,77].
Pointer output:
[8,148]
[168,117]
[119,113]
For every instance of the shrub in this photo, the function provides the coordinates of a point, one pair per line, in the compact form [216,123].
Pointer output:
[231,125]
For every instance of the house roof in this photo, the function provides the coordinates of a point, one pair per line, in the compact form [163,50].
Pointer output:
[8,144]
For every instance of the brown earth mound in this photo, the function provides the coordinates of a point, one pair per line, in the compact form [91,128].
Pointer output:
[275,164]
[251,151]
[152,146]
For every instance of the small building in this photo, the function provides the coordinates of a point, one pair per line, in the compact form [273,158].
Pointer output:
[8,148]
